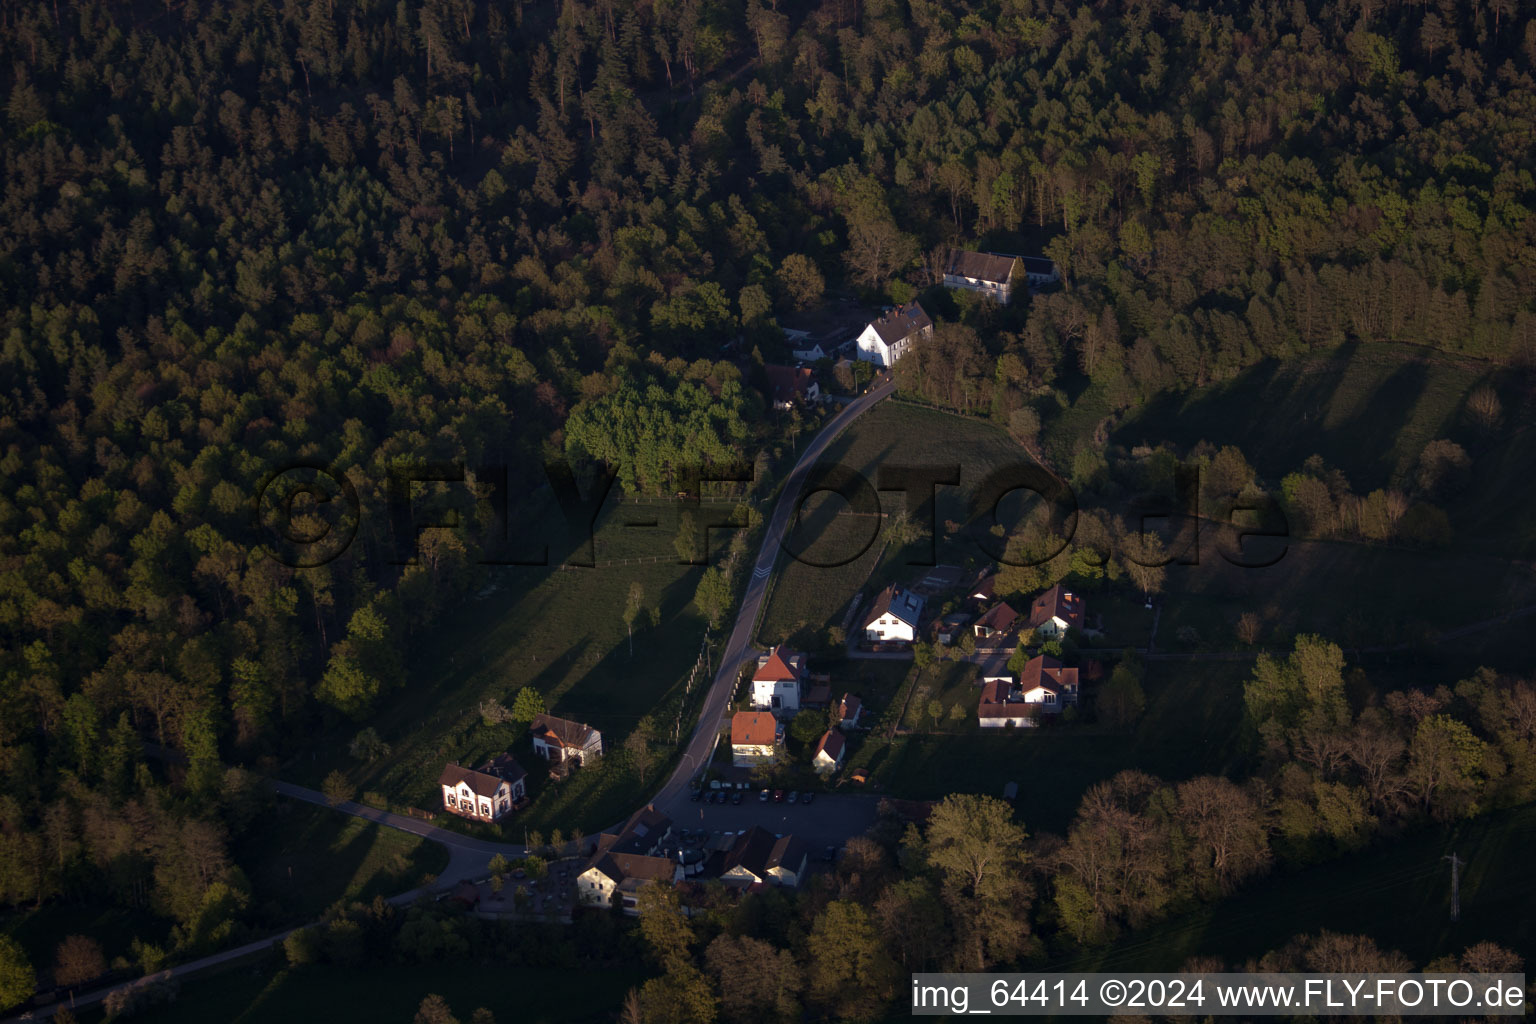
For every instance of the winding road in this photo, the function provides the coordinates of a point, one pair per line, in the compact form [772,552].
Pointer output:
[739,646]
[467,856]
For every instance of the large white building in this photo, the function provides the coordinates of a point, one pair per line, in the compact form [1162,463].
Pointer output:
[776,683]
[990,273]
[889,338]
[488,793]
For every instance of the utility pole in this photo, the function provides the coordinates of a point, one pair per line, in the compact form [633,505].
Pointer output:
[1456,865]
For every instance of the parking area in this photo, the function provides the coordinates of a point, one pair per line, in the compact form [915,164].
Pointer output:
[831,819]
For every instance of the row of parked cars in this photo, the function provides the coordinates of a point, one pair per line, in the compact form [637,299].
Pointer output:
[734,796]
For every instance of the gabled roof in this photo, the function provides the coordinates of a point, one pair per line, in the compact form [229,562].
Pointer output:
[1057,603]
[754,729]
[782,664]
[759,851]
[985,587]
[905,605]
[999,617]
[981,266]
[480,783]
[504,766]
[995,703]
[1048,673]
[831,744]
[562,731]
[623,867]
[848,707]
[1038,265]
[901,322]
[786,383]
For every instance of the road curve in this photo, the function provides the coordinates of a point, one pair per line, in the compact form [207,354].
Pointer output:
[738,647]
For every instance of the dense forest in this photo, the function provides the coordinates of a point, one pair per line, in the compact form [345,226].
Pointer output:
[238,236]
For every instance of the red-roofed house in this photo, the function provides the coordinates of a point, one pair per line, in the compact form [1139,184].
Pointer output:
[829,752]
[776,683]
[1056,611]
[1000,706]
[789,384]
[755,737]
[1046,682]
[998,620]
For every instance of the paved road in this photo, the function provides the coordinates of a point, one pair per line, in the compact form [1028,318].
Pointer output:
[738,647]
[829,821]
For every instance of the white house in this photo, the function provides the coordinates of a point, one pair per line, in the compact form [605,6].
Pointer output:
[998,620]
[894,616]
[755,737]
[622,875]
[759,856]
[1039,271]
[1056,611]
[829,752]
[990,273]
[889,338]
[488,793]
[1046,682]
[776,683]
[564,743]
[625,861]
[807,348]
[1000,708]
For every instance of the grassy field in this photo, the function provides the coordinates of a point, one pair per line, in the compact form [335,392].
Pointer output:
[1356,594]
[1368,409]
[1191,726]
[561,632]
[1398,893]
[391,993]
[302,858]
[807,598]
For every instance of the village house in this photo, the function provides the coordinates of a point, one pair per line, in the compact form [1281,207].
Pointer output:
[625,861]
[999,706]
[891,336]
[1046,682]
[760,857]
[755,737]
[1039,272]
[776,683]
[998,620]
[829,752]
[1056,611]
[488,793]
[789,385]
[565,744]
[894,616]
[992,274]
[848,710]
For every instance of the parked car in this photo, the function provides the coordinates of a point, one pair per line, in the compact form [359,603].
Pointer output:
[794,797]
[809,796]
[778,796]
[830,855]
[697,795]
[719,797]
[763,796]
[736,797]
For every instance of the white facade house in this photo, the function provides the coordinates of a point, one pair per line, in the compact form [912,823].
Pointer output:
[776,683]
[1056,611]
[829,752]
[999,709]
[894,616]
[564,743]
[755,737]
[992,274]
[624,862]
[488,793]
[759,856]
[1045,681]
[892,336]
